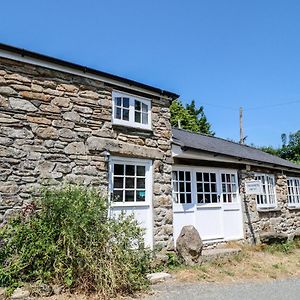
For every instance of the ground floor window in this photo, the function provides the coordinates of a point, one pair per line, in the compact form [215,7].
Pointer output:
[129,180]
[204,187]
[293,192]
[182,187]
[267,199]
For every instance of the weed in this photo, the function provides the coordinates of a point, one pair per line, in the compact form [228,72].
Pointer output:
[66,237]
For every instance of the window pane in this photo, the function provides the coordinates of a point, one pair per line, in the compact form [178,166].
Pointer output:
[130,170]
[118,113]
[206,187]
[129,182]
[126,102]
[118,101]
[175,186]
[207,198]
[214,198]
[213,177]
[200,198]
[117,196]
[199,187]
[137,105]
[223,177]
[213,188]
[118,169]
[188,187]
[174,175]
[223,188]
[140,170]
[228,177]
[188,198]
[206,177]
[187,176]
[140,195]
[181,187]
[137,117]
[129,196]
[145,108]
[232,178]
[182,198]
[118,182]
[126,114]
[199,176]
[181,175]
[140,184]
[144,118]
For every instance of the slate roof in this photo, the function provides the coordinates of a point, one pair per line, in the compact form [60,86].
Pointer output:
[221,146]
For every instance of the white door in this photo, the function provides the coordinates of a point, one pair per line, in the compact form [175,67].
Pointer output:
[131,191]
[207,198]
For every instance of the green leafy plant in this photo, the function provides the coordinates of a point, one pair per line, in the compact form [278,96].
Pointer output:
[67,237]
[287,247]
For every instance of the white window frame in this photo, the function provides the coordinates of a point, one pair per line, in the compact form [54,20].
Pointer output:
[148,180]
[194,203]
[268,193]
[295,195]
[131,122]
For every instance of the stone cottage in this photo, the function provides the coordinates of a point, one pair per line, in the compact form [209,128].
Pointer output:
[63,122]
[212,181]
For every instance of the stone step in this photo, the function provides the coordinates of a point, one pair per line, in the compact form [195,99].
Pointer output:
[158,277]
[211,254]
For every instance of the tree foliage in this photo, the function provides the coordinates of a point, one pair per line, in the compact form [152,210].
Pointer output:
[290,148]
[190,117]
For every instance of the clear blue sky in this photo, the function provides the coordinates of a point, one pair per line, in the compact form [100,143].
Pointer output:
[223,54]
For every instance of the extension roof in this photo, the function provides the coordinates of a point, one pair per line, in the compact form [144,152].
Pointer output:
[36,56]
[219,146]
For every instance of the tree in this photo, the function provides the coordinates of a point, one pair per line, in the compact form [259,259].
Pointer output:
[290,148]
[190,117]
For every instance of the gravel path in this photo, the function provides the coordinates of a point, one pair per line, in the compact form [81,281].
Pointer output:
[272,290]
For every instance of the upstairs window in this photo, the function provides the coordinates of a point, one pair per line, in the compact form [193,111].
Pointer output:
[293,192]
[130,110]
[268,197]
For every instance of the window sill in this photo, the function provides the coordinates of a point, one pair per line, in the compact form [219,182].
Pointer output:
[275,209]
[133,129]
[294,207]
[128,204]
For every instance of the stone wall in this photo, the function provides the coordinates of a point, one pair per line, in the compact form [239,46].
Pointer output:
[280,220]
[54,127]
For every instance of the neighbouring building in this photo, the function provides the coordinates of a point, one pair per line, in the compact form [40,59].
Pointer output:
[63,122]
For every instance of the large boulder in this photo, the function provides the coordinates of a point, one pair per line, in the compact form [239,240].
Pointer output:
[189,245]
[272,237]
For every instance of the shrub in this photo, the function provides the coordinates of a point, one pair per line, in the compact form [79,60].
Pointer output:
[67,237]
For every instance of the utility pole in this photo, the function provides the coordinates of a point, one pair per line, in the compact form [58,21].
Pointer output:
[241,126]
[179,124]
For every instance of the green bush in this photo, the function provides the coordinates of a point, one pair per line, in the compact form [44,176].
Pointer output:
[67,237]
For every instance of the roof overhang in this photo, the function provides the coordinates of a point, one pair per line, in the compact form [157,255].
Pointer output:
[179,151]
[34,58]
